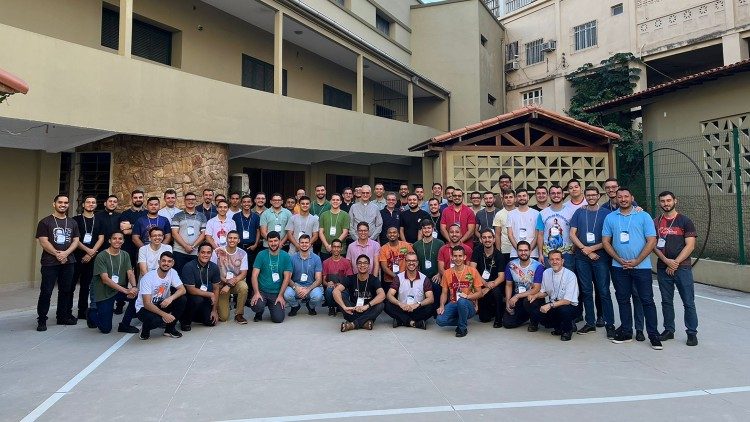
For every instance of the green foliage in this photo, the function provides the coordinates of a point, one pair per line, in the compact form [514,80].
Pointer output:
[3,96]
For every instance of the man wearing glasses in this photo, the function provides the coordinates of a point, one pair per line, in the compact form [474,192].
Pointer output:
[410,297]
[365,211]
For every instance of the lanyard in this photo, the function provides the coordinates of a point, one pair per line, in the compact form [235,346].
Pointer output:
[304,264]
[334,222]
[559,287]
[93,221]
[596,216]
[619,223]
[424,253]
[66,223]
[487,217]
[200,275]
[668,228]
[492,263]
[242,221]
[274,267]
[119,263]
[149,221]
[365,289]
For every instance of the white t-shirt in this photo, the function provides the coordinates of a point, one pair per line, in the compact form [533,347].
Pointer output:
[169,213]
[151,257]
[523,225]
[570,204]
[501,220]
[218,230]
[298,225]
[230,263]
[231,213]
[555,227]
[560,285]
[157,287]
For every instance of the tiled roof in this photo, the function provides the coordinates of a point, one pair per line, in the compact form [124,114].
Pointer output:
[13,83]
[521,112]
[695,79]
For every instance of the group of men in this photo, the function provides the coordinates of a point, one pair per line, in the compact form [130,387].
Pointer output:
[360,255]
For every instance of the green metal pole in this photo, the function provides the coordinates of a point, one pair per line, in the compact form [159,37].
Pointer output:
[738,193]
[651,178]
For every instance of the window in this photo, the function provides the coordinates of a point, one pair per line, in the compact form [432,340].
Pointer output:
[585,35]
[285,182]
[617,9]
[341,3]
[383,24]
[533,97]
[511,5]
[93,176]
[491,100]
[149,41]
[390,185]
[534,53]
[257,74]
[336,97]
[483,40]
[511,51]
[66,170]
[386,112]
[494,6]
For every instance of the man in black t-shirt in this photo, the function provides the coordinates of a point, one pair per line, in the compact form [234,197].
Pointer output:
[128,218]
[90,243]
[202,280]
[411,220]
[360,297]
[490,263]
[109,219]
[58,237]
[676,241]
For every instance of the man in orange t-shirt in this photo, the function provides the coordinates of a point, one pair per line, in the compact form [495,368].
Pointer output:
[392,256]
[462,284]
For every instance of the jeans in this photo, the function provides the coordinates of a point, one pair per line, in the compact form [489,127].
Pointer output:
[197,309]
[328,295]
[239,289]
[637,307]
[269,299]
[105,311]
[491,305]
[437,291]
[559,318]
[683,280]
[151,320]
[82,274]
[180,259]
[569,262]
[62,275]
[457,314]
[594,276]
[314,297]
[422,313]
[627,283]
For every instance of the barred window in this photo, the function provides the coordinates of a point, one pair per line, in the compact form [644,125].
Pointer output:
[533,97]
[585,35]
[511,51]
[534,52]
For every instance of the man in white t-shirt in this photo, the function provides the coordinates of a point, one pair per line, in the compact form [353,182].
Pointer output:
[232,263]
[500,223]
[170,209]
[522,224]
[218,227]
[560,293]
[148,255]
[575,195]
[155,301]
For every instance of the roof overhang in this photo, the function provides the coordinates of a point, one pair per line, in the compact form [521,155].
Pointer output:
[12,84]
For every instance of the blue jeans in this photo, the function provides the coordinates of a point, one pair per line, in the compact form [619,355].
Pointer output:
[457,314]
[627,283]
[683,279]
[105,311]
[569,262]
[590,272]
[637,307]
[314,298]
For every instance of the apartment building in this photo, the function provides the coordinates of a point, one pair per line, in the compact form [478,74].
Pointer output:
[548,39]
[182,94]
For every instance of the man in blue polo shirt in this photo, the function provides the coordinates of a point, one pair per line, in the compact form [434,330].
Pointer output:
[305,284]
[629,236]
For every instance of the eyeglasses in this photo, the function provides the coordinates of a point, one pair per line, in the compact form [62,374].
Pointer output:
[363,263]
[411,261]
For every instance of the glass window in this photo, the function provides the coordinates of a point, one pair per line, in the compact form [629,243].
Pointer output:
[383,24]
[336,97]
[511,51]
[585,35]
[617,9]
[534,52]
[533,97]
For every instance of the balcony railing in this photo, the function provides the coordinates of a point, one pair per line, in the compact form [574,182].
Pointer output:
[512,5]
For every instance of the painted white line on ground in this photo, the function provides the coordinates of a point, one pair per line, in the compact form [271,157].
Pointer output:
[39,411]
[500,405]
[723,301]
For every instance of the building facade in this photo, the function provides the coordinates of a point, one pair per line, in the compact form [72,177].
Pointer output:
[154,94]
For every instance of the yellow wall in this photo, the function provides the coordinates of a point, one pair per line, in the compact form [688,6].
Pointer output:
[491,75]
[19,258]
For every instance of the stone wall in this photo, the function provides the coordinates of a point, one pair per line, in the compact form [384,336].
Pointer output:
[155,164]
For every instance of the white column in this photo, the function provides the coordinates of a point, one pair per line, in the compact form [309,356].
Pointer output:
[278,48]
[734,48]
[360,83]
[125,43]
[410,102]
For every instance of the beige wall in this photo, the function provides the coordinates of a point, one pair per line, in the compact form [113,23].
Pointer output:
[20,259]
[678,114]
[491,75]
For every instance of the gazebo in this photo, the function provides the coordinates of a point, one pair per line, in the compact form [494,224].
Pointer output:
[533,145]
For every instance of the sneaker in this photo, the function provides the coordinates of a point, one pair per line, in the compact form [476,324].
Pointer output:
[586,329]
[240,319]
[145,334]
[600,322]
[172,333]
[41,326]
[656,344]
[621,337]
[258,317]
[332,311]
[185,327]
[118,308]
[396,323]
[692,340]
[312,311]
[556,332]
[610,331]
[422,325]
[497,324]
[294,310]
[122,328]
[533,327]
[71,320]
[666,335]
[639,335]
[461,333]
[566,336]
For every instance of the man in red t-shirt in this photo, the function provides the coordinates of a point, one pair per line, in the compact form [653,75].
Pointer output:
[335,269]
[445,254]
[461,215]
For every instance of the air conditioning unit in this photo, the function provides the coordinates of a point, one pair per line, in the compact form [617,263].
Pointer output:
[239,182]
[511,66]
[550,45]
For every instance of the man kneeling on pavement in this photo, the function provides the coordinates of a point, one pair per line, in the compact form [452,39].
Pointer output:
[555,304]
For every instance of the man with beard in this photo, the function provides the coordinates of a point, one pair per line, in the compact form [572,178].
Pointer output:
[391,216]
[248,225]
[151,219]
[433,210]
[379,198]
[522,224]
[554,306]
[321,204]
[334,224]
[259,203]
[460,215]
[427,249]
[360,297]
[403,192]
[677,236]
[335,270]
[475,198]
[234,204]
[170,208]
[523,277]
[500,223]
[188,231]
[90,243]
[202,279]
[155,303]
[553,228]
[411,220]
[128,220]
[274,219]
[419,191]
[410,299]
[541,194]
[305,283]
[207,208]
[490,263]
[272,272]
[445,254]
[437,193]
[392,256]
[113,277]
[109,220]
[486,216]
[232,263]
[461,288]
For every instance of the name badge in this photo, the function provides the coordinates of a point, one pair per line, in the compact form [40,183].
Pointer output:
[458,295]
[87,238]
[661,242]
[624,237]
[434,234]
[277,228]
[521,289]
[395,268]
[452,265]
[522,233]
[245,234]
[222,240]
[60,239]
[590,238]
[332,231]
[360,301]
[485,274]
[116,279]
[191,231]
[230,275]
[410,300]
[204,288]
[275,277]
[427,265]
[303,278]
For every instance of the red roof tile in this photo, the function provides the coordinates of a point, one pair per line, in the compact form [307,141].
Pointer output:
[13,82]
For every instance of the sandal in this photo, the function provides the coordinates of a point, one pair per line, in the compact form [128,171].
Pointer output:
[347,326]
[367,325]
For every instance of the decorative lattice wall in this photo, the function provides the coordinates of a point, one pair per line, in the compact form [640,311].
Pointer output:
[718,153]
[480,171]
